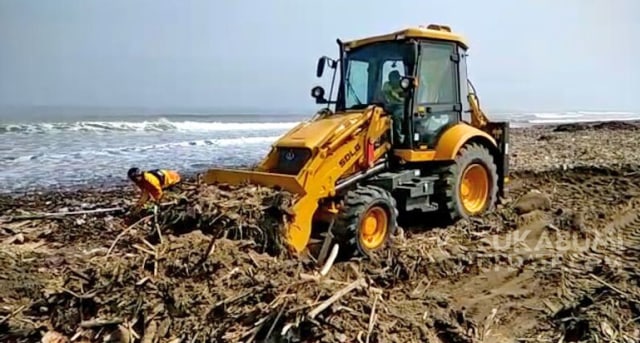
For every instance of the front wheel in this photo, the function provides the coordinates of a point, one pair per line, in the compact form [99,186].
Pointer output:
[469,187]
[368,219]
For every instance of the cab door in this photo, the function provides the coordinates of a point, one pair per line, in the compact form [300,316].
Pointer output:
[437,104]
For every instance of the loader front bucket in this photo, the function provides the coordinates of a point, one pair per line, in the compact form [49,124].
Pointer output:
[298,230]
[237,177]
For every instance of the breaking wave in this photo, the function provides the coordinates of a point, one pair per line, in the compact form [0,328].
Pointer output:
[165,125]
[580,116]
[223,142]
[161,125]
[88,150]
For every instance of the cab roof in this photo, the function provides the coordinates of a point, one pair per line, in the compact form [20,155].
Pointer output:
[432,31]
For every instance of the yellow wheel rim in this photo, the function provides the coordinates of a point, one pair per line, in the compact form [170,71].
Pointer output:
[474,188]
[373,228]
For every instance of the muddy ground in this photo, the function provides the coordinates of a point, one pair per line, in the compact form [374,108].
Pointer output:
[556,262]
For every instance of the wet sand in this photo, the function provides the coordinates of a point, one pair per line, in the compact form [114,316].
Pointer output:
[557,260]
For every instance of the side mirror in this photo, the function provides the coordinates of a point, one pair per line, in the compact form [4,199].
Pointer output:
[322,61]
[317,93]
[320,68]
[407,83]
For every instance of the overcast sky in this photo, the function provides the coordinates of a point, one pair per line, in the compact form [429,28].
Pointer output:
[540,55]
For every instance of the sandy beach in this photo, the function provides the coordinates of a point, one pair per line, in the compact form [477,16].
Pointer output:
[556,262]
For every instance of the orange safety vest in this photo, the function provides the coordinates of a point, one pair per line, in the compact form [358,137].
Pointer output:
[154,181]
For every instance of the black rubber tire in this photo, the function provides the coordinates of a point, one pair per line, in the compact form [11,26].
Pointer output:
[449,182]
[357,202]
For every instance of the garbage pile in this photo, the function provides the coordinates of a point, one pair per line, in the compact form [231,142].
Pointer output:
[207,267]
[210,266]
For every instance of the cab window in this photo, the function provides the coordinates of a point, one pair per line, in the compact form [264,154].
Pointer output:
[388,67]
[367,68]
[437,75]
[357,83]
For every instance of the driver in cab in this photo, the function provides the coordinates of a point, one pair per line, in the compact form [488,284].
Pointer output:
[394,97]
[393,93]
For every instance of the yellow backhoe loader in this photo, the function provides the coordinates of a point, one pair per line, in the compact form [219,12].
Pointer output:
[406,133]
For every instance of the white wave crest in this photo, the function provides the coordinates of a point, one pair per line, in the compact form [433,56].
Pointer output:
[155,125]
[576,117]
[132,150]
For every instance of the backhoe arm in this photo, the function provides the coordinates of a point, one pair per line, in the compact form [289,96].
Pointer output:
[478,118]
[499,130]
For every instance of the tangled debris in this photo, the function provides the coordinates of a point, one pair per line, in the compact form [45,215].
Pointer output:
[248,212]
[555,262]
[198,285]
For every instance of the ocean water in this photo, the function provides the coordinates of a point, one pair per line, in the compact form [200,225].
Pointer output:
[77,151]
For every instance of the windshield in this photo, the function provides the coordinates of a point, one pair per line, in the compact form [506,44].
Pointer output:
[373,72]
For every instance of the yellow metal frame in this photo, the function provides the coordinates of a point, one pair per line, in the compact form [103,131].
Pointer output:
[334,138]
[412,32]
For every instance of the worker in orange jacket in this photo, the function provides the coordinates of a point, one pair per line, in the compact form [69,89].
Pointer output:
[152,183]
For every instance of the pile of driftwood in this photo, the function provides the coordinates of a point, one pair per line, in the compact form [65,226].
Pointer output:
[156,282]
[174,292]
[240,213]
[207,266]
[575,145]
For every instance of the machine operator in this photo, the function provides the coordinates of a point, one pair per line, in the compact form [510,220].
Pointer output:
[394,98]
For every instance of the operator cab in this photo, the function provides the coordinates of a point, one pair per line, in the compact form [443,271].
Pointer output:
[418,76]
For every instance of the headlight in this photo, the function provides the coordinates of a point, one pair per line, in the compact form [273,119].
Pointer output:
[317,92]
[405,83]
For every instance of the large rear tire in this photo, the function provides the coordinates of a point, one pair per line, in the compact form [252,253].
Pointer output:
[469,187]
[367,220]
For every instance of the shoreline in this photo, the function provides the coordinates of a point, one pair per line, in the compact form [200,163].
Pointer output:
[573,186]
[124,186]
